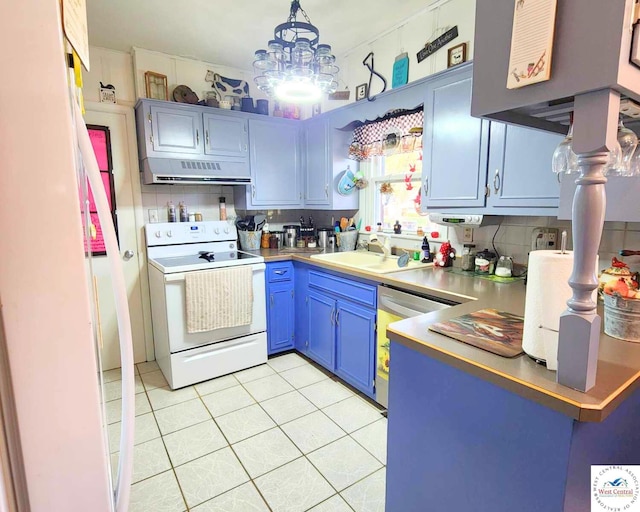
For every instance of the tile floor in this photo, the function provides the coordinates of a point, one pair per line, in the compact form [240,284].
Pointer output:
[284,436]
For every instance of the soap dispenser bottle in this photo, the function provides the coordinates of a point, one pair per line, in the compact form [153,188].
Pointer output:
[426,251]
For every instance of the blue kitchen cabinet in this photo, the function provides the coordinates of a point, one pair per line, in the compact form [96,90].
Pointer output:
[226,135]
[326,150]
[321,331]
[174,130]
[520,173]
[276,166]
[455,144]
[301,302]
[280,306]
[355,345]
[341,327]
[318,166]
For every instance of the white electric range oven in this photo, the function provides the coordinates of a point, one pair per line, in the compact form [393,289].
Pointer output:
[173,250]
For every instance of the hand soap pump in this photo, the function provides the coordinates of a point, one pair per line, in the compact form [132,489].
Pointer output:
[426,251]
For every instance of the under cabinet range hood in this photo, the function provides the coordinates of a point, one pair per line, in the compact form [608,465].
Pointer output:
[195,172]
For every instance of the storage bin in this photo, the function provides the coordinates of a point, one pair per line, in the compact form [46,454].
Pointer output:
[249,240]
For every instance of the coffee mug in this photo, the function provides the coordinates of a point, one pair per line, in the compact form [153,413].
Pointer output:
[226,104]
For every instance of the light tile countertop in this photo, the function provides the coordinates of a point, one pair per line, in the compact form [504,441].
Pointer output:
[618,361]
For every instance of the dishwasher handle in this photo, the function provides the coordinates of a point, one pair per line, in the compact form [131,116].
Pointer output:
[404,310]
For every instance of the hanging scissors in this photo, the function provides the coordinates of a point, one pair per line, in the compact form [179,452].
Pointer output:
[368,62]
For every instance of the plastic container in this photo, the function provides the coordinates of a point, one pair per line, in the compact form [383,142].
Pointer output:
[468,257]
[249,240]
[485,262]
[223,209]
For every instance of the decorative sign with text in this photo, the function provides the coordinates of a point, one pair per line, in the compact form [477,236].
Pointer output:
[432,47]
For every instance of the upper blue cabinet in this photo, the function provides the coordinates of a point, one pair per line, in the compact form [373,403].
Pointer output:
[455,144]
[481,166]
[174,131]
[225,135]
[325,153]
[276,166]
[520,173]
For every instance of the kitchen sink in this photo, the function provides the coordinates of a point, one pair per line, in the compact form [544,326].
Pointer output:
[368,261]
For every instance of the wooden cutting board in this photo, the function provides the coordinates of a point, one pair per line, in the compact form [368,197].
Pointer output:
[489,329]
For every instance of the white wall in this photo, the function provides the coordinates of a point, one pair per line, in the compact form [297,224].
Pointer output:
[410,36]
[183,71]
[110,67]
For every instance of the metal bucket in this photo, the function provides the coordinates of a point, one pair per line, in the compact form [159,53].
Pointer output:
[249,240]
[622,318]
[347,240]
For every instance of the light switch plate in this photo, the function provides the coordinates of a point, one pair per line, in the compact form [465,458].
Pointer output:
[153,215]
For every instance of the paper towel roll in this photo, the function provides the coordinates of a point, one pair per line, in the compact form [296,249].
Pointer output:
[547,293]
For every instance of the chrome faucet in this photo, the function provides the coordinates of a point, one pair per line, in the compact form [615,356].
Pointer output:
[385,246]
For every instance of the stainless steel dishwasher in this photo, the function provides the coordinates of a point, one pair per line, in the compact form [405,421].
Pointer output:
[394,305]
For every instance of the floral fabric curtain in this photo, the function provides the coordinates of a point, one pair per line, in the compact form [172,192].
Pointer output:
[401,134]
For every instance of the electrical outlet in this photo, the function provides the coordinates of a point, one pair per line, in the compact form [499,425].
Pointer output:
[153,215]
[467,235]
[544,238]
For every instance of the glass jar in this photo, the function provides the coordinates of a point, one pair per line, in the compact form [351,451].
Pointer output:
[302,58]
[262,62]
[276,56]
[468,257]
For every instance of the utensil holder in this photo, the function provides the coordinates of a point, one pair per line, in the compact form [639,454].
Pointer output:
[249,240]
[347,240]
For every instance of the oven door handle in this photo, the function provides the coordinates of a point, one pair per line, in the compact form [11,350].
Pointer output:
[173,278]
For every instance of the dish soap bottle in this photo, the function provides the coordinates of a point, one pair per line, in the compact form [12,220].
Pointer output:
[426,251]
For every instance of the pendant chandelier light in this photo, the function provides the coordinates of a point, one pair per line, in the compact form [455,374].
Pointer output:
[295,68]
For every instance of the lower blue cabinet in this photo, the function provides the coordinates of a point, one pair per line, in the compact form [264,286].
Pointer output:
[301,299]
[355,345]
[280,312]
[322,313]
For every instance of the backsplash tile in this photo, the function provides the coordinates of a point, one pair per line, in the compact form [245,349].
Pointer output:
[203,199]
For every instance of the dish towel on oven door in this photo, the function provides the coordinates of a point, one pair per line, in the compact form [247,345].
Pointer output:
[217,299]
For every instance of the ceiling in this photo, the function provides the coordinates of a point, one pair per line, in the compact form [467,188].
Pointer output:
[229,33]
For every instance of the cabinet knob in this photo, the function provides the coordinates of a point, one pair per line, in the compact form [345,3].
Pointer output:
[326,190]
[206,137]
[271,299]
[197,138]
[128,254]
[253,191]
[496,181]
[426,187]
[338,317]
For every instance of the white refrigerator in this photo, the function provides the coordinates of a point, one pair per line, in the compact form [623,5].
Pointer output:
[53,452]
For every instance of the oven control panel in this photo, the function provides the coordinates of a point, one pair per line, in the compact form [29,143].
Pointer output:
[172,233]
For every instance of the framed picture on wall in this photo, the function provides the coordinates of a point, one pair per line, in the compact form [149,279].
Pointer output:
[361,92]
[457,55]
[156,86]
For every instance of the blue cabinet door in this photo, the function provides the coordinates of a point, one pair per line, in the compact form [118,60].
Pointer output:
[455,147]
[318,168]
[176,130]
[275,164]
[301,301]
[520,167]
[280,318]
[225,135]
[355,345]
[322,311]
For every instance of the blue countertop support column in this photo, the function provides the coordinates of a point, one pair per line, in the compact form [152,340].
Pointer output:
[460,444]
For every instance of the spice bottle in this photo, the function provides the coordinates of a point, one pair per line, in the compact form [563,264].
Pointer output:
[223,209]
[379,228]
[171,212]
[264,241]
[426,251]
[184,212]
